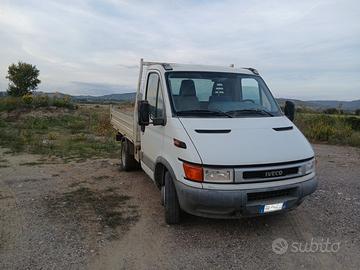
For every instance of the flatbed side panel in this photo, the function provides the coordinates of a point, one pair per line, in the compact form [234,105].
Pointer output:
[123,123]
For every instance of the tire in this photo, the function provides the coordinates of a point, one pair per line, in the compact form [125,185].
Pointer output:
[171,202]
[128,162]
[162,195]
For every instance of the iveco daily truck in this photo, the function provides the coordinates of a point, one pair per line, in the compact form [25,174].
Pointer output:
[215,142]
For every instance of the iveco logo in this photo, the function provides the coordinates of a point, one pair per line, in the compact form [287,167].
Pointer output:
[274,173]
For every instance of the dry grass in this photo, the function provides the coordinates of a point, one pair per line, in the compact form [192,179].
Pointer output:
[70,134]
[333,129]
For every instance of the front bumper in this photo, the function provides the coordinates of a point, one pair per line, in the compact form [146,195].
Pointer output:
[241,202]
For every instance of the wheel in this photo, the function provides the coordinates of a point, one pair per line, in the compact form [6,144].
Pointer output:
[162,195]
[128,162]
[171,202]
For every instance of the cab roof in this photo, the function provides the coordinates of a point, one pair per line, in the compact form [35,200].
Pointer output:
[206,68]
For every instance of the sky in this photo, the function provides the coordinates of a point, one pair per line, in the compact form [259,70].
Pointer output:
[303,49]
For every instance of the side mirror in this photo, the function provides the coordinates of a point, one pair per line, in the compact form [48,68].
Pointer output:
[158,121]
[143,113]
[289,110]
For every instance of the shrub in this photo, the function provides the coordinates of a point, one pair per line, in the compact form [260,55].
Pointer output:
[2,123]
[37,123]
[304,110]
[103,126]
[354,139]
[353,121]
[332,111]
[10,103]
[41,101]
[27,99]
[337,129]
[64,102]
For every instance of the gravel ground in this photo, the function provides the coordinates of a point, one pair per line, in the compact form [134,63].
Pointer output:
[89,215]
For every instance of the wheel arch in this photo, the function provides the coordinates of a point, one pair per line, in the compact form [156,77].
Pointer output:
[161,166]
[127,144]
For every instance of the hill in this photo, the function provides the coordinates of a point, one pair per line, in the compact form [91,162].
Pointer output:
[86,98]
[345,105]
[111,97]
[312,104]
[324,104]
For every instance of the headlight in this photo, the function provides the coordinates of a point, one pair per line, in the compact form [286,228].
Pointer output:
[309,166]
[218,175]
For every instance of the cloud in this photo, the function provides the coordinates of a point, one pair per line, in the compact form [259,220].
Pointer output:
[302,48]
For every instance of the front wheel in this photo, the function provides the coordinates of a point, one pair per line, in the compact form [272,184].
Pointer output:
[171,202]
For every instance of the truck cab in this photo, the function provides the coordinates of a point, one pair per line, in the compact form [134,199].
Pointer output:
[215,142]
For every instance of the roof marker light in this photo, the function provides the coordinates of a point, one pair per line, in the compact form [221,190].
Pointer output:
[253,70]
[167,66]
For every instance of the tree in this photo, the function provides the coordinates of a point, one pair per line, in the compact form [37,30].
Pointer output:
[23,79]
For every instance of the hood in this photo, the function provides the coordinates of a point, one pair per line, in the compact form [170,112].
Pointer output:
[246,141]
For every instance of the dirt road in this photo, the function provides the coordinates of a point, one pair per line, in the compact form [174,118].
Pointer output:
[89,215]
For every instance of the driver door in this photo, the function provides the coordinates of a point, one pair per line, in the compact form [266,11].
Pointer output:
[153,135]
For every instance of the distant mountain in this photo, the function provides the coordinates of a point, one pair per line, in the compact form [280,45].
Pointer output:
[312,104]
[345,105]
[89,98]
[111,97]
[324,104]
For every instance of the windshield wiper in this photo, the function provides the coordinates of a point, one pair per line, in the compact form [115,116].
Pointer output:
[201,111]
[257,111]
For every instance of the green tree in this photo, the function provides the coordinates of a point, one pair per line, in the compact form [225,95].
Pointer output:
[23,79]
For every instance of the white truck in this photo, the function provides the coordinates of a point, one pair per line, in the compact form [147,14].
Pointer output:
[215,142]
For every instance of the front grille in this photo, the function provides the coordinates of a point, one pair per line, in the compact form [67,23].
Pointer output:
[270,173]
[256,196]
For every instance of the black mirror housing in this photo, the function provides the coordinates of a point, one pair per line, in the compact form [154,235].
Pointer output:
[143,113]
[289,110]
[159,122]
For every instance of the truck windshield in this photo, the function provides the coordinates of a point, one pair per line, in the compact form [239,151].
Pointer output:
[217,94]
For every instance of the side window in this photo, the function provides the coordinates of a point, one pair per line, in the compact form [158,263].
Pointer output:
[151,92]
[250,90]
[154,96]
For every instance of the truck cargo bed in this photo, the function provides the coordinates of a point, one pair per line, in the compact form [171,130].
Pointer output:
[123,122]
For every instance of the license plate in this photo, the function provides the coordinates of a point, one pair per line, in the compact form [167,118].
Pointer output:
[272,207]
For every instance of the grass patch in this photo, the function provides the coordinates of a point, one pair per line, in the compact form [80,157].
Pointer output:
[101,177]
[333,129]
[79,134]
[31,163]
[75,184]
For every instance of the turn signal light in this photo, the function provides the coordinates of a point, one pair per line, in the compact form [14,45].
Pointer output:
[193,172]
[179,143]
